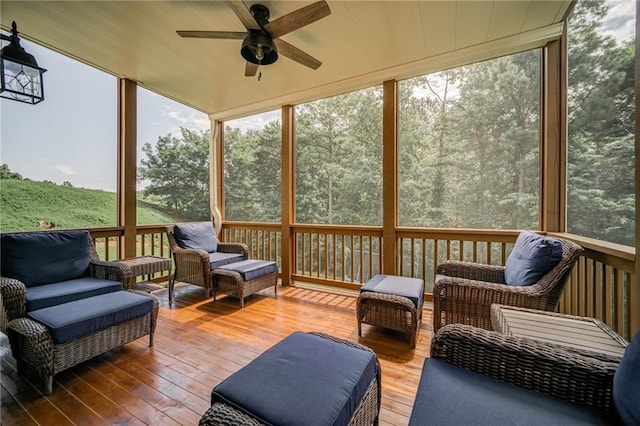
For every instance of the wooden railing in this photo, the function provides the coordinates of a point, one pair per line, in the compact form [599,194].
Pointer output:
[346,256]
[340,256]
[601,284]
[264,240]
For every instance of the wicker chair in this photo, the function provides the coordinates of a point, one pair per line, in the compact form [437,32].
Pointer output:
[466,290]
[193,266]
[581,382]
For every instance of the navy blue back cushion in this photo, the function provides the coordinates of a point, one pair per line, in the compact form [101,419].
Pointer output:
[196,235]
[626,384]
[47,257]
[531,258]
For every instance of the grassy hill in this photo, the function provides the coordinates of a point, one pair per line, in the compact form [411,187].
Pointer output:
[24,202]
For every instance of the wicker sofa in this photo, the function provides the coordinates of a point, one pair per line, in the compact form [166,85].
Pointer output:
[63,305]
[476,376]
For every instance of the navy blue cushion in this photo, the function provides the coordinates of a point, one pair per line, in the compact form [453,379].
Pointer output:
[411,288]
[219,259]
[626,384]
[531,258]
[303,380]
[45,257]
[450,395]
[75,319]
[250,269]
[196,235]
[46,295]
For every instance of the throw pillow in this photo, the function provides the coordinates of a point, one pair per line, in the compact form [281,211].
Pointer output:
[196,235]
[531,258]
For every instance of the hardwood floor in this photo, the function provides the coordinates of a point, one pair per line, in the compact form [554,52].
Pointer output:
[198,343]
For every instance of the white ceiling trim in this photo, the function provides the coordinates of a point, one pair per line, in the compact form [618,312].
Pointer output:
[505,46]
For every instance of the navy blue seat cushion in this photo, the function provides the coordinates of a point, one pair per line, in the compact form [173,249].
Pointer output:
[79,318]
[303,380]
[45,257]
[219,259]
[250,269]
[46,295]
[626,384]
[196,235]
[411,288]
[450,395]
[531,258]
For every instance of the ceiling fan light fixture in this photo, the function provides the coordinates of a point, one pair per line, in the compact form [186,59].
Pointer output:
[258,48]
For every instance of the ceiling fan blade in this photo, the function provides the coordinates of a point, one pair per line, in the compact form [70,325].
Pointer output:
[213,34]
[242,12]
[296,54]
[250,69]
[298,19]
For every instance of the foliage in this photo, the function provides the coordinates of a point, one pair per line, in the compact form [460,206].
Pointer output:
[177,169]
[252,178]
[5,173]
[601,180]
[339,159]
[25,202]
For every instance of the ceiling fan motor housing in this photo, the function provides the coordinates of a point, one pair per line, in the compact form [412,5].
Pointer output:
[255,41]
[260,13]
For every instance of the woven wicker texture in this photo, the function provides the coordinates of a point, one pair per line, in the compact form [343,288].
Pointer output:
[578,378]
[232,283]
[465,294]
[365,414]
[31,343]
[389,311]
[192,266]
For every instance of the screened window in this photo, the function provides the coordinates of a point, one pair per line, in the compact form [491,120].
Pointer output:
[252,168]
[601,120]
[339,159]
[469,146]
[173,161]
[59,156]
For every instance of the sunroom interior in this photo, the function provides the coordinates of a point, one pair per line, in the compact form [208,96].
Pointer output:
[401,58]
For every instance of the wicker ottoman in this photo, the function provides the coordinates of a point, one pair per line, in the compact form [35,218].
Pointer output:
[241,279]
[305,379]
[392,302]
[62,336]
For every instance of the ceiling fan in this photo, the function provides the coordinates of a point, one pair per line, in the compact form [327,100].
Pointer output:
[261,42]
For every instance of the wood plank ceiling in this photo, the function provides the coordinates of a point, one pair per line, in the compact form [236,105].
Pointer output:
[359,43]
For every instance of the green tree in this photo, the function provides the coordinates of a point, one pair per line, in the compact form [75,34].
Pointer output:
[339,159]
[177,172]
[252,167]
[6,173]
[601,112]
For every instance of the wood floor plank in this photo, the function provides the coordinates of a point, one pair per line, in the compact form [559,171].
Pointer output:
[199,343]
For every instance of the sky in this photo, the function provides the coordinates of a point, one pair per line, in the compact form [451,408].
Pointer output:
[72,135]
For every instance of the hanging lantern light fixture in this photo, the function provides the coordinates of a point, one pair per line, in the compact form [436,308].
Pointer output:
[21,77]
